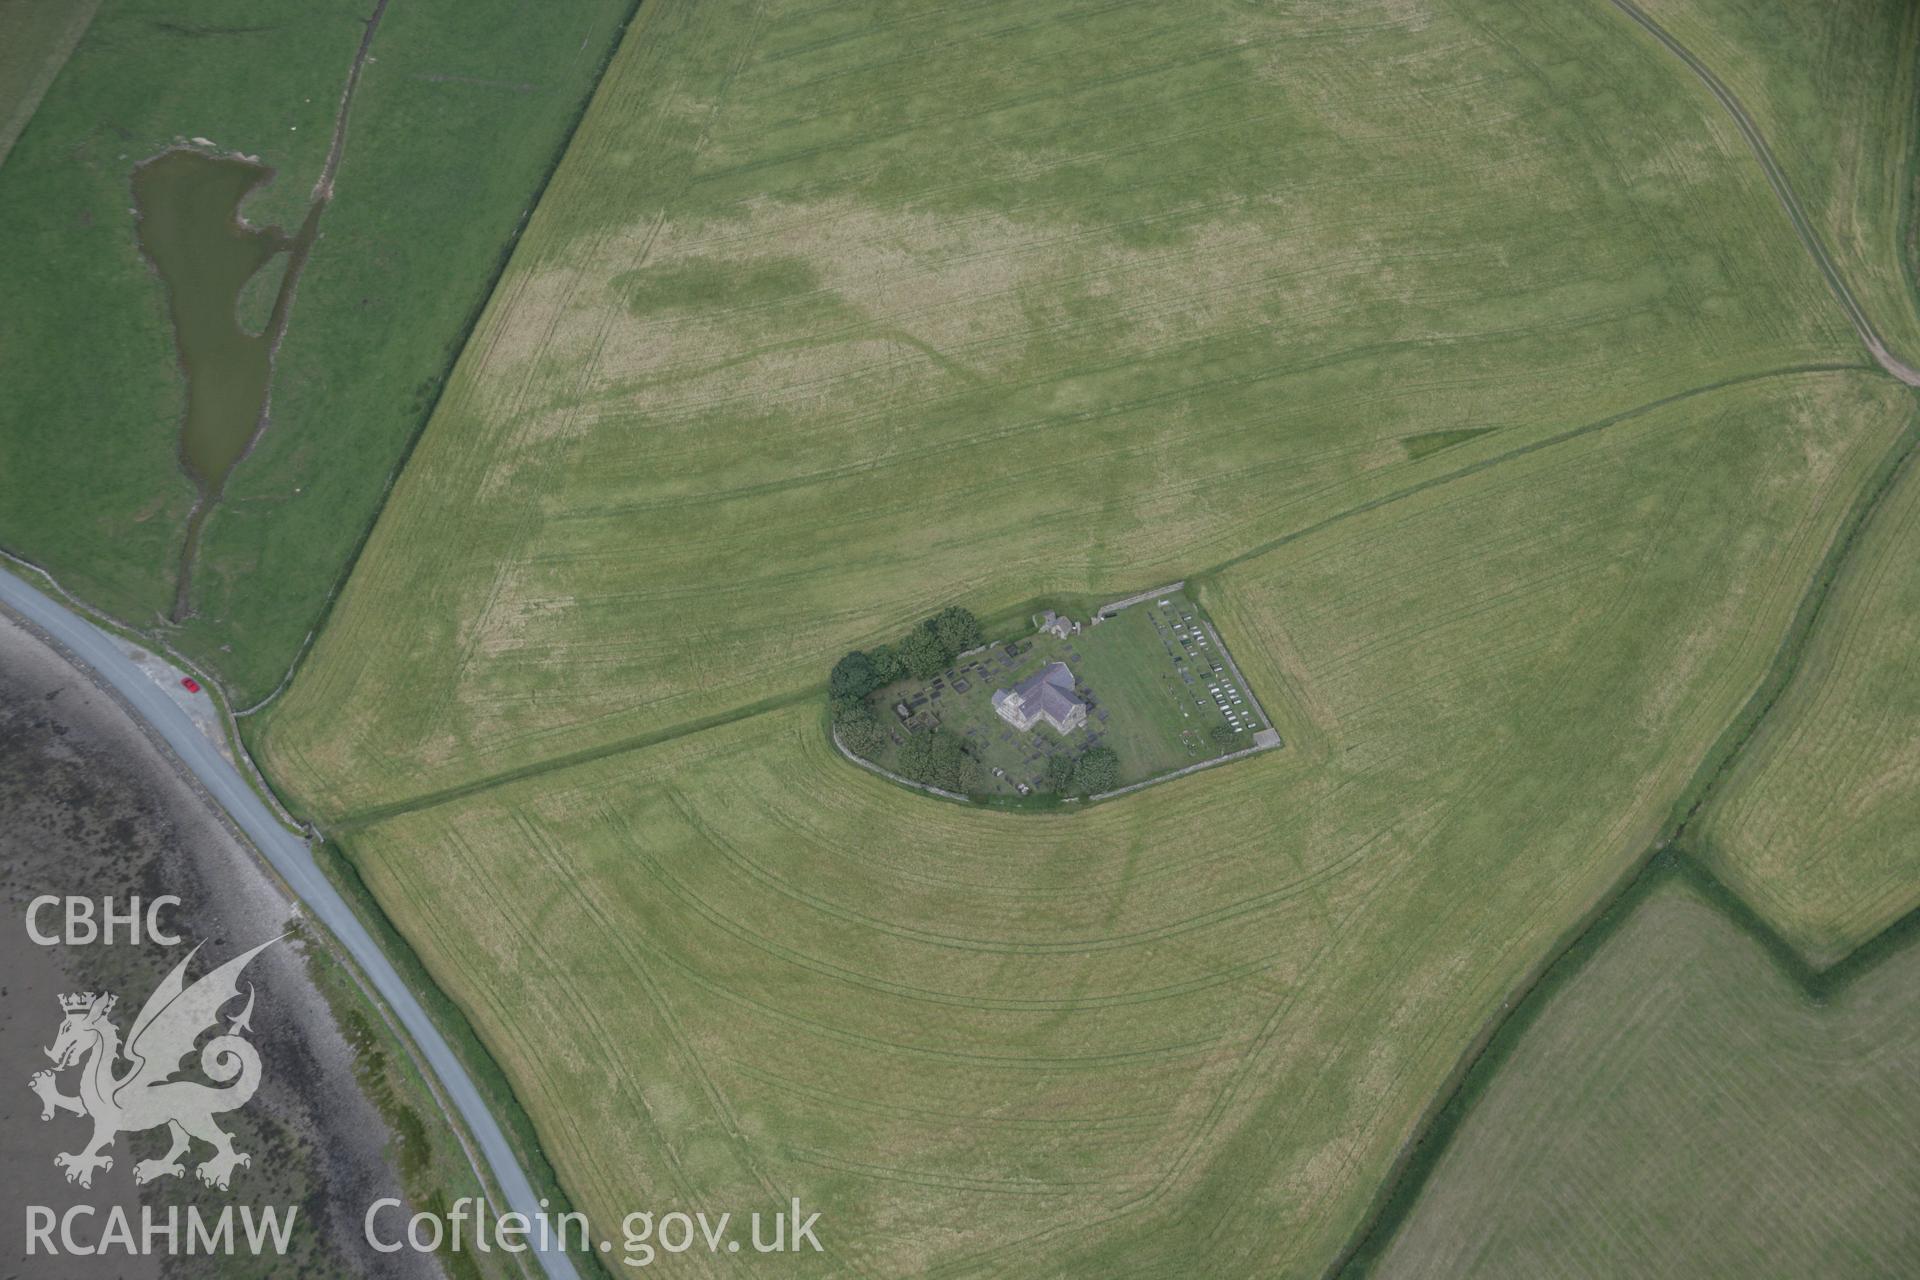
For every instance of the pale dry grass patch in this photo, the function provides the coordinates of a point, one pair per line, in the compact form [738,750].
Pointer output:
[729,417]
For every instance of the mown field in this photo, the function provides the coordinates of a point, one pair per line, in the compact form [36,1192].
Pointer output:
[1816,825]
[456,122]
[1186,1031]
[1463,359]
[1832,86]
[1680,1106]
[828,321]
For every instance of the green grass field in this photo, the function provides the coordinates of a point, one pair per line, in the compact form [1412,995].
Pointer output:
[1463,359]
[1815,825]
[763,382]
[455,124]
[1680,1106]
[1187,1030]
[1832,86]
[90,483]
[40,35]
[1150,676]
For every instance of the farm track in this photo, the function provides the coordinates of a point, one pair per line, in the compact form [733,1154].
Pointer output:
[367,817]
[1454,356]
[1188,1154]
[1789,202]
[1535,446]
[211,490]
[646,956]
[1783,192]
[1627,894]
[1668,856]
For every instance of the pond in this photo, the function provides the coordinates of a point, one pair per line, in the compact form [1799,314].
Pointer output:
[190,228]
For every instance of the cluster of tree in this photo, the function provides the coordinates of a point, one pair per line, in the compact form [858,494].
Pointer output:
[1092,771]
[940,759]
[859,728]
[922,653]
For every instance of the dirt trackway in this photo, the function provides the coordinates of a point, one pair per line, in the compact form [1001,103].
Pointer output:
[1777,179]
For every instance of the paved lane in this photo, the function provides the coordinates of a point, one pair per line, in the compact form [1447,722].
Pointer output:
[291,858]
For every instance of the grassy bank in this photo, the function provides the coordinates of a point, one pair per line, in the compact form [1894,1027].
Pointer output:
[426,1151]
[453,1024]
[1813,823]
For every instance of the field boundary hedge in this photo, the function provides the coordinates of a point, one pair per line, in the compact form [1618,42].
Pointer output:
[1666,858]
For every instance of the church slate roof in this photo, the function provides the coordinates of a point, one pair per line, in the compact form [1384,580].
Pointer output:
[1047,692]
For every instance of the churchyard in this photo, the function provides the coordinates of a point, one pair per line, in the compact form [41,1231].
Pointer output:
[1158,687]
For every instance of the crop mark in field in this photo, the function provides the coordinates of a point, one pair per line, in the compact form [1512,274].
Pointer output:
[680,1044]
[439,382]
[1793,645]
[1548,442]
[1800,825]
[835,270]
[1235,910]
[430,799]
[1849,526]
[1039,1063]
[1124,1121]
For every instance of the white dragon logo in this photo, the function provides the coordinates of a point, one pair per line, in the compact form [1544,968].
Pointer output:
[145,1095]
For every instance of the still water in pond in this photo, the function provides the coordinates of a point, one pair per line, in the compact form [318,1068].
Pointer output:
[188,205]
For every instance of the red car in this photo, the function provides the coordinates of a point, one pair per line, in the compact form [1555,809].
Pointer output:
[189,684]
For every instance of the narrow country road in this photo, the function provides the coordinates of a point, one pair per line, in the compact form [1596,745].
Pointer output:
[290,857]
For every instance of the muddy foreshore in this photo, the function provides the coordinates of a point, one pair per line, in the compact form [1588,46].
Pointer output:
[90,808]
